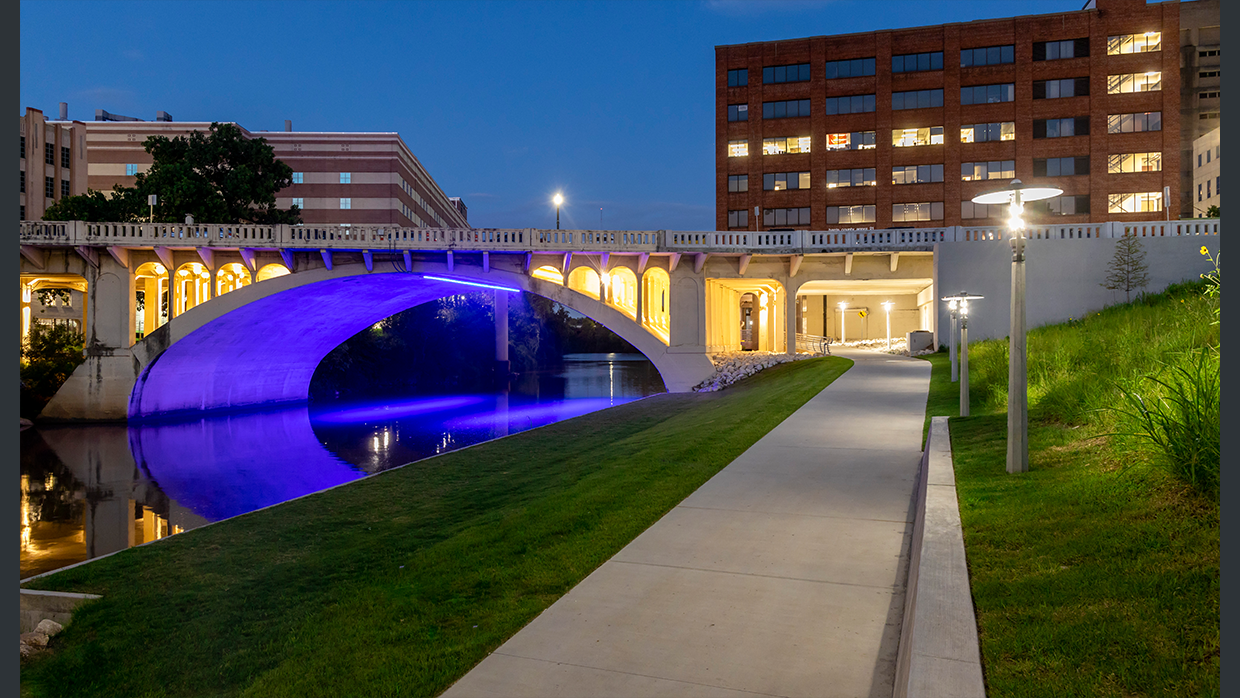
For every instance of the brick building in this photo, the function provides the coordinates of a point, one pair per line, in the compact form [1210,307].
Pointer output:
[903,127]
[357,178]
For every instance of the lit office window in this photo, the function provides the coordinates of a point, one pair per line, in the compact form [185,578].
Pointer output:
[346,203]
[1133,123]
[1137,202]
[846,215]
[738,149]
[1134,82]
[857,140]
[131,170]
[1134,43]
[980,133]
[916,174]
[791,144]
[908,137]
[779,181]
[299,202]
[991,169]
[857,177]
[923,211]
[346,177]
[298,177]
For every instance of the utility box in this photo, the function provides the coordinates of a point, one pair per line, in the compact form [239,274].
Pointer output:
[920,340]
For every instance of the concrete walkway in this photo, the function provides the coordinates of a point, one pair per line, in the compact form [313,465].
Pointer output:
[783,575]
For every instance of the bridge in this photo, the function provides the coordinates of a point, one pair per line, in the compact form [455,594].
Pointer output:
[186,318]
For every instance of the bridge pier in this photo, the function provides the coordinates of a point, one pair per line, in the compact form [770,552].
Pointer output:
[502,366]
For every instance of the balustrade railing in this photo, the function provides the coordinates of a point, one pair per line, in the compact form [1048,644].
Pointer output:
[374,238]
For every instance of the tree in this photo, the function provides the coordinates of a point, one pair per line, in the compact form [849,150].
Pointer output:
[217,177]
[1128,270]
[49,356]
[1213,212]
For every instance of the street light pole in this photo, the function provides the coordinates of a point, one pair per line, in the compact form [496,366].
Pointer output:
[558,200]
[951,345]
[887,307]
[964,358]
[843,319]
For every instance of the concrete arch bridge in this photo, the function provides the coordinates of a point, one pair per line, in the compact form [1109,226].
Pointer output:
[186,318]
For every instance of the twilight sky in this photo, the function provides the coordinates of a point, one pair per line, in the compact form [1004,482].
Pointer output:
[504,102]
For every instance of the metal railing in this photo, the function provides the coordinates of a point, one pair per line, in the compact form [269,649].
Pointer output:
[814,343]
[376,238]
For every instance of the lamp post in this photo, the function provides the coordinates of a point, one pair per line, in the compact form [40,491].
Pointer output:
[959,305]
[887,307]
[951,339]
[843,318]
[558,200]
[1018,374]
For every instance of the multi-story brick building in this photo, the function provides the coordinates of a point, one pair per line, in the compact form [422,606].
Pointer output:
[356,178]
[904,127]
[53,161]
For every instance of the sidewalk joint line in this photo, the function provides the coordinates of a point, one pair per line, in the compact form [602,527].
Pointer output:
[891,587]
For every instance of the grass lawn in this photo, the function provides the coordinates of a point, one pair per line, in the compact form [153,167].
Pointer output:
[1095,573]
[398,584]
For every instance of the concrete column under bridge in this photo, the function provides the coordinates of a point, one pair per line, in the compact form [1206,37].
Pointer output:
[502,367]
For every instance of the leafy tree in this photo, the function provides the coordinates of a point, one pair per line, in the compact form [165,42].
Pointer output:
[1213,212]
[217,177]
[49,356]
[1128,270]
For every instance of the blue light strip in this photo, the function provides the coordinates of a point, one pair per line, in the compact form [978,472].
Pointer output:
[470,283]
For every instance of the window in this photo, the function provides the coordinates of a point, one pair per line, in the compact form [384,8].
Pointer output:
[1207,156]
[1061,128]
[64,187]
[916,174]
[1061,167]
[23,189]
[131,170]
[969,210]
[1208,74]
[786,109]
[738,149]
[1198,159]
[838,215]
[779,217]
[988,94]
[49,153]
[299,177]
[49,187]
[1138,202]
[992,169]
[346,203]
[1132,123]
[850,105]
[857,140]
[738,112]
[300,203]
[346,177]
[785,73]
[790,144]
[23,152]
[1199,192]
[65,159]
[991,55]
[1207,188]
[1134,82]
[1054,50]
[1060,206]
[22,213]
[1054,89]
[980,133]
[908,213]
[738,183]
[1208,95]
[1134,43]
[859,177]
[738,77]
[908,137]
[1207,53]
[917,99]
[779,181]
[912,62]
[1207,115]
[850,68]
[738,219]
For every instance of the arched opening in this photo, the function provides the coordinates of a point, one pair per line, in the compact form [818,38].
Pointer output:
[548,273]
[231,277]
[656,291]
[271,271]
[150,303]
[191,286]
[584,280]
[746,315]
[622,290]
[52,299]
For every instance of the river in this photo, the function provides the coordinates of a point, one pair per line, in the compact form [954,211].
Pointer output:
[88,491]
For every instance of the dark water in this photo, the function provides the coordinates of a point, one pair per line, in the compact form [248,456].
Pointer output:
[89,491]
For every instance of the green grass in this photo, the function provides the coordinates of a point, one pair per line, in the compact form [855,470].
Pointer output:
[398,584]
[1096,573]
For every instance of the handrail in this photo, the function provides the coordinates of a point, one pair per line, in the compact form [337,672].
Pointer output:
[814,343]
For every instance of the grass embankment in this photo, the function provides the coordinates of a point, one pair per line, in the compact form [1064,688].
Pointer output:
[1096,573]
[396,585]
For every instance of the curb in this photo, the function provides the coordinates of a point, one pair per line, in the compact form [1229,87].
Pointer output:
[54,605]
[939,654]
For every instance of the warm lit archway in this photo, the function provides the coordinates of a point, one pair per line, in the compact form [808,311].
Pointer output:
[622,290]
[150,298]
[584,280]
[656,288]
[231,277]
[191,286]
[271,271]
[548,273]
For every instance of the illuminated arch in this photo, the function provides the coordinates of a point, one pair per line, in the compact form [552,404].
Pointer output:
[656,309]
[548,273]
[584,280]
[271,271]
[622,290]
[150,280]
[191,286]
[231,277]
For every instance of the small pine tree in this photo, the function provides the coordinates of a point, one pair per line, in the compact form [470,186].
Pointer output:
[1128,270]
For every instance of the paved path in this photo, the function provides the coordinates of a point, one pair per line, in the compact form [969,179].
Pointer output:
[783,575]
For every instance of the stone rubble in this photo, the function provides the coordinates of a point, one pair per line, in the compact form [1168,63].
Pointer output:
[37,640]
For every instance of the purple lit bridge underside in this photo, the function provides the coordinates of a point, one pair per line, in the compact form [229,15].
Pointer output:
[260,345]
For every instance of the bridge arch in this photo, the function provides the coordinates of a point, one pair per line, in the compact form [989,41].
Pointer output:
[260,344]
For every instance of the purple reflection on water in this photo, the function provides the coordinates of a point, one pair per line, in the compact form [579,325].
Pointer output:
[537,415]
[396,410]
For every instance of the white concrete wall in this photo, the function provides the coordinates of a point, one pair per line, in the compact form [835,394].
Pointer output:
[1063,278]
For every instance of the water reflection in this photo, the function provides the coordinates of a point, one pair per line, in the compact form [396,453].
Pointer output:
[88,491]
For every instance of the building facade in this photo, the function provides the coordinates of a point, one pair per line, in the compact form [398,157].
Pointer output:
[53,161]
[1206,178]
[904,127]
[338,177]
[1200,80]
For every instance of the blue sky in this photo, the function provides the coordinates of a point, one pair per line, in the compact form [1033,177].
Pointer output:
[504,102]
